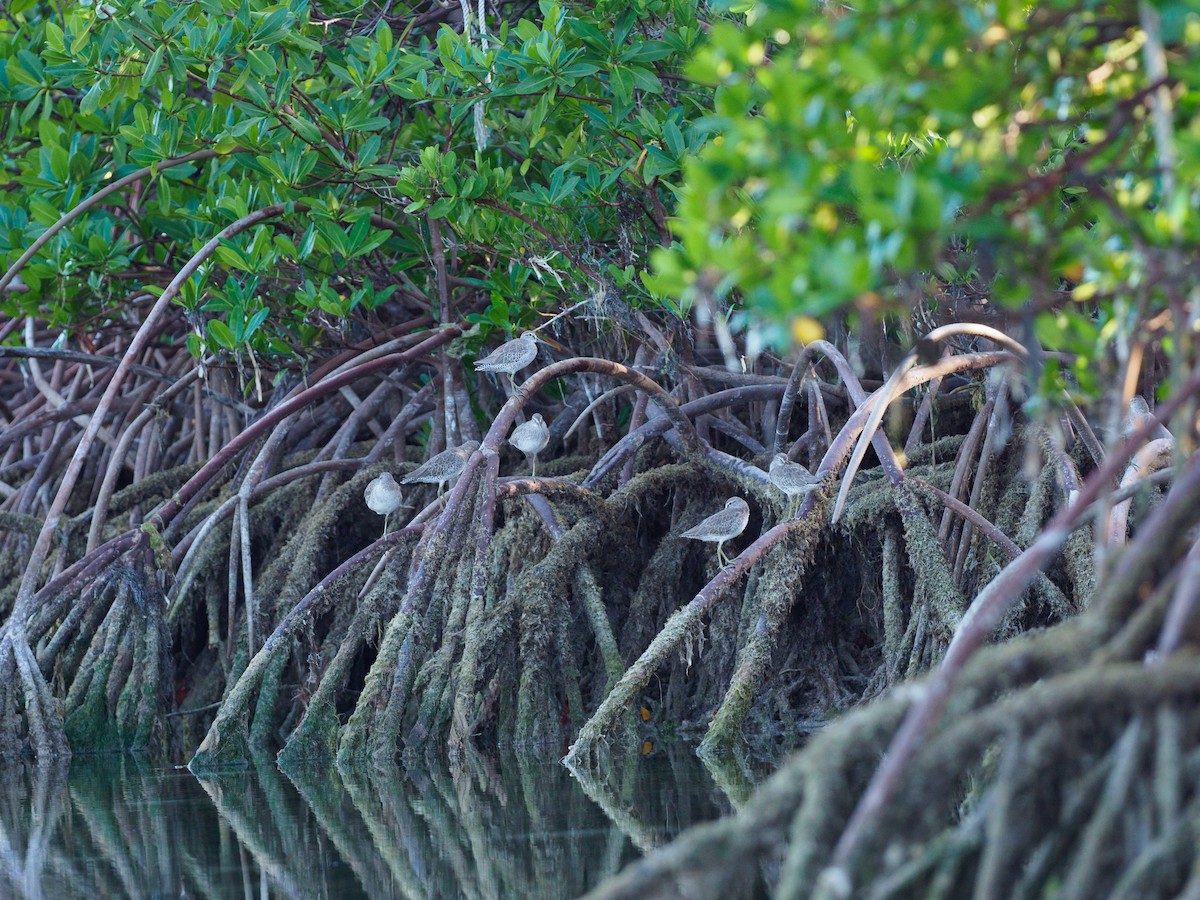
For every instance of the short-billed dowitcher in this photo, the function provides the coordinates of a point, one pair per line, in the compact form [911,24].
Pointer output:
[511,356]
[793,479]
[722,526]
[531,439]
[444,467]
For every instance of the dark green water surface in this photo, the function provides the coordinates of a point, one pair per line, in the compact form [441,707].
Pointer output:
[490,828]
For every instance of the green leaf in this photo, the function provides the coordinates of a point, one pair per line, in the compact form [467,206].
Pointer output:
[645,80]
[91,100]
[233,256]
[262,64]
[306,130]
[254,322]
[673,138]
[306,243]
[383,36]
[152,66]
[221,333]
[54,37]
[621,81]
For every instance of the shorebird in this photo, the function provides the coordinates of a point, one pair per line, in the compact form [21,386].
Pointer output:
[792,478]
[531,439]
[723,526]
[383,497]
[1139,412]
[444,467]
[511,356]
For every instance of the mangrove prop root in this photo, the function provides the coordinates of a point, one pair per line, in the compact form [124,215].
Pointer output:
[779,590]
[1020,697]
[227,739]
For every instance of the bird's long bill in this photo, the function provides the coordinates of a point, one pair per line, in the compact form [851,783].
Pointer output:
[552,342]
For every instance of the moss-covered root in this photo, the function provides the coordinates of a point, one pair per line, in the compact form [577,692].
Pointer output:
[895,608]
[934,577]
[229,741]
[89,719]
[490,614]
[316,737]
[363,738]
[31,716]
[678,629]
[1035,734]
[264,719]
[308,552]
[1090,716]
[778,587]
[537,725]
[373,731]
[543,616]
[434,682]
[145,697]
[719,859]
[589,593]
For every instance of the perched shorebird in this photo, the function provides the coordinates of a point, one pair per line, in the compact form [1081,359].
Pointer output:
[383,497]
[444,467]
[511,356]
[723,526]
[793,479]
[531,439]
[1139,413]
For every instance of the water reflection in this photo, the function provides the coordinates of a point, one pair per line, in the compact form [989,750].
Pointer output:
[115,827]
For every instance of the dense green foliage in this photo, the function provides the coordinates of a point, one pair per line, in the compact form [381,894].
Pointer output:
[905,154]
[346,115]
[914,151]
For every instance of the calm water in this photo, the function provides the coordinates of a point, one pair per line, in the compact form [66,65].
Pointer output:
[503,828]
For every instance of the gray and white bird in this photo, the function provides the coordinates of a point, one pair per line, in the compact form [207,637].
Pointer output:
[793,479]
[383,497]
[1139,413]
[511,356]
[722,526]
[444,467]
[531,439]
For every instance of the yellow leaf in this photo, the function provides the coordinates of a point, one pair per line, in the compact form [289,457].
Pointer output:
[806,329]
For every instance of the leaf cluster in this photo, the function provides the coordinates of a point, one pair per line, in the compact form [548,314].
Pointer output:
[545,142]
[1043,158]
